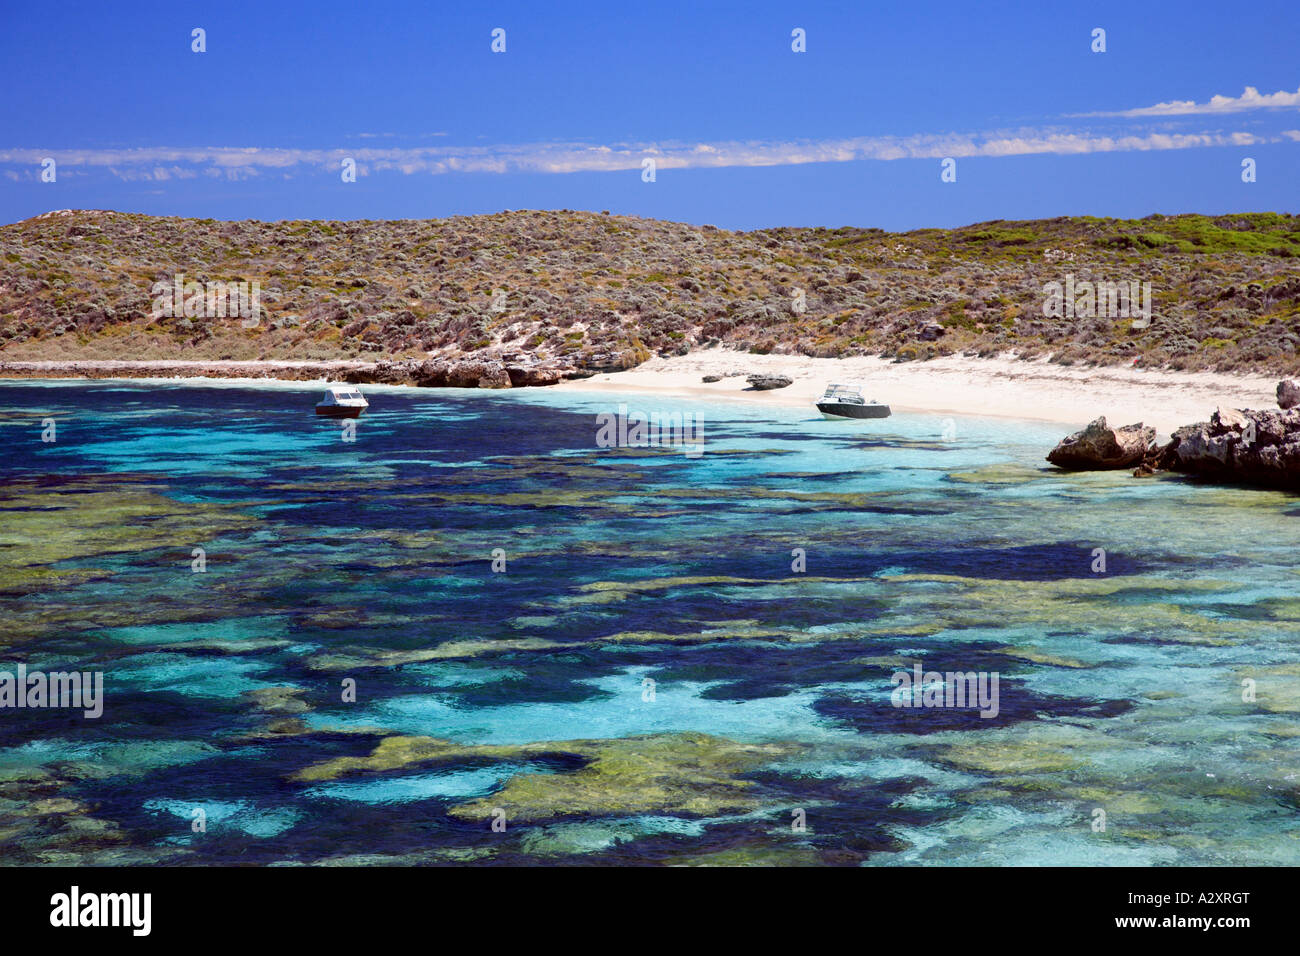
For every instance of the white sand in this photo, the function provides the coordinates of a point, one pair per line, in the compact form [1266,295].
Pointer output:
[956,385]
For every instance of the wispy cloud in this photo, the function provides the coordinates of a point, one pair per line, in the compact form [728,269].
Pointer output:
[162,163]
[1250,99]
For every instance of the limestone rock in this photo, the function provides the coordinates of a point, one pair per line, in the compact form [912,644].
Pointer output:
[763,382]
[1242,446]
[1100,447]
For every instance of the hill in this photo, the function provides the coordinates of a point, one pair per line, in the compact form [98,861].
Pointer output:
[584,292]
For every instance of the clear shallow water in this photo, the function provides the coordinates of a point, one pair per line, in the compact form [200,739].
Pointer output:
[526,691]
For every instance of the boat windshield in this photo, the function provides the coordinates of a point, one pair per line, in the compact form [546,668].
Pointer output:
[844,394]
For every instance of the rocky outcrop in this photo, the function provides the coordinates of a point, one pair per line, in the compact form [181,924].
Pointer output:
[170,369]
[1159,458]
[532,374]
[930,332]
[1236,446]
[763,383]
[486,372]
[463,373]
[1242,446]
[1288,394]
[381,373]
[611,360]
[431,373]
[1101,447]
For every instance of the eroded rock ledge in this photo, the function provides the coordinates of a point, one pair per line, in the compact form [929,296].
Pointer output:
[1237,446]
[1242,446]
[1101,447]
[429,373]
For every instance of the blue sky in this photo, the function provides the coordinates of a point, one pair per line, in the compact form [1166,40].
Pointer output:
[745,132]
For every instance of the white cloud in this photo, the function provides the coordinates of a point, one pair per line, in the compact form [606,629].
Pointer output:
[1250,99]
[224,162]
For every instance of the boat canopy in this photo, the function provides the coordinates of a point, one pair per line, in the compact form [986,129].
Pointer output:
[847,393]
[342,393]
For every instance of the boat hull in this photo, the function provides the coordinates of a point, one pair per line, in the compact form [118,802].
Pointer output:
[845,410]
[340,411]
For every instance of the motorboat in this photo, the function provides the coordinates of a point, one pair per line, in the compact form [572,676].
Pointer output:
[846,401]
[342,401]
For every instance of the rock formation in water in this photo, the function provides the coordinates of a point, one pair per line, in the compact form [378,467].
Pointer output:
[1236,446]
[1242,446]
[1100,447]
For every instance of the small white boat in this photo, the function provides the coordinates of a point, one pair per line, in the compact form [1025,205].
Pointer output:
[846,401]
[342,401]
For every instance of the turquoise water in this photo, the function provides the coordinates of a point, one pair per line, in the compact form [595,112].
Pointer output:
[684,659]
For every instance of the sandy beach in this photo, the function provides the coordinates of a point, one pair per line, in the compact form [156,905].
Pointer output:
[958,385]
[954,385]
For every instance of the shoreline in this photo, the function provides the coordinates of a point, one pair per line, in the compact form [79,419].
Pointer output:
[290,370]
[998,387]
[958,385]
